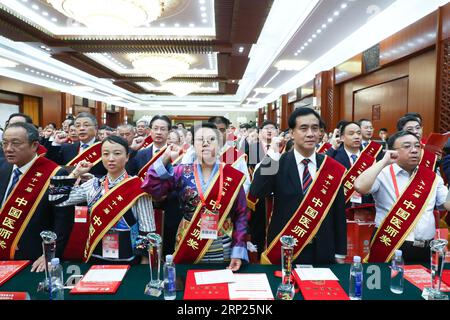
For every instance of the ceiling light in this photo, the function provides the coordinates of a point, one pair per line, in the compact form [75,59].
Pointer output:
[5,63]
[177,25]
[45,13]
[161,67]
[263,90]
[204,15]
[116,13]
[202,8]
[241,49]
[330,20]
[344,5]
[204,20]
[336,13]
[319,30]
[181,89]
[84,88]
[54,19]
[35,7]
[253,99]
[191,25]
[324,26]
[314,36]
[162,25]
[291,65]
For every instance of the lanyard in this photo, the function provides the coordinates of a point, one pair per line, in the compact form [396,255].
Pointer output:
[199,186]
[106,183]
[394,181]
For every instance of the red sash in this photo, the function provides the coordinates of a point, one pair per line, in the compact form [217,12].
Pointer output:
[191,248]
[21,204]
[365,160]
[147,142]
[108,210]
[93,154]
[41,151]
[143,172]
[232,155]
[308,217]
[403,216]
[428,159]
[324,147]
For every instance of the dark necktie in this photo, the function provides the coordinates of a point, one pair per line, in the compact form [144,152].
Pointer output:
[16,175]
[354,157]
[306,179]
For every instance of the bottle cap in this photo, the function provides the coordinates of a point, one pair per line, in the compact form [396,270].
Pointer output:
[55,261]
[169,258]
[357,259]
[398,253]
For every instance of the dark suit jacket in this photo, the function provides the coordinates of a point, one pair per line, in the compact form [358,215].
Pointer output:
[46,217]
[67,152]
[331,238]
[138,160]
[446,166]
[255,153]
[341,156]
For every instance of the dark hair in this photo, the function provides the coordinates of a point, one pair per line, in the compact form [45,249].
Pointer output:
[346,124]
[404,120]
[105,127]
[182,124]
[69,117]
[289,145]
[119,140]
[32,132]
[163,118]
[52,124]
[205,124]
[322,125]
[383,129]
[340,123]
[363,120]
[87,115]
[220,120]
[23,115]
[267,123]
[301,112]
[397,135]
[414,114]
[245,126]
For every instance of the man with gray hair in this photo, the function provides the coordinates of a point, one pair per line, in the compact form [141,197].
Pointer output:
[126,131]
[88,148]
[142,128]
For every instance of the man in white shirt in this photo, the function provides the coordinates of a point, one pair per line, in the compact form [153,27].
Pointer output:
[386,181]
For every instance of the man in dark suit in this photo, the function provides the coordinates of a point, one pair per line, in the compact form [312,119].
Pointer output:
[20,143]
[62,152]
[282,177]
[348,153]
[159,131]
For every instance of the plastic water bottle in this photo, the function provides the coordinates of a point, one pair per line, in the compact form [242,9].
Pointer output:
[397,269]
[169,279]
[356,279]
[56,280]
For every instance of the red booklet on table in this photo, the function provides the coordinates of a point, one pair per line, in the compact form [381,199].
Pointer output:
[420,277]
[192,291]
[101,279]
[320,290]
[8,269]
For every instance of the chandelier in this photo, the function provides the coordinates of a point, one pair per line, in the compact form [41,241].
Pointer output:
[161,67]
[101,14]
[181,89]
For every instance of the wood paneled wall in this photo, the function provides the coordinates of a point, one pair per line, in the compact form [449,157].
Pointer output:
[32,106]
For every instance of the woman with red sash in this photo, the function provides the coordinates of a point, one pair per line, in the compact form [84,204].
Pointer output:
[197,187]
[114,229]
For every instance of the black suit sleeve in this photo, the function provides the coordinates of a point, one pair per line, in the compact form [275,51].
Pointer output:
[54,153]
[263,183]
[331,152]
[340,223]
[63,218]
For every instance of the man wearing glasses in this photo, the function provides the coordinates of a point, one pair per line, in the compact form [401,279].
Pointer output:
[405,195]
[87,148]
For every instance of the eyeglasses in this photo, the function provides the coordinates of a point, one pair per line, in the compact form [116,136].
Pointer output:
[209,140]
[13,144]
[409,147]
[79,125]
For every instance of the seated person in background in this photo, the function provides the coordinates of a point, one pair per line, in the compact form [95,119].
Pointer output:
[205,188]
[119,209]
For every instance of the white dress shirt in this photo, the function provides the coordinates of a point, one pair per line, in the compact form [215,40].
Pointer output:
[89,143]
[312,165]
[22,169]
[383,192]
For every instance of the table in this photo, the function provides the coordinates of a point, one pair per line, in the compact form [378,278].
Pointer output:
[132,287]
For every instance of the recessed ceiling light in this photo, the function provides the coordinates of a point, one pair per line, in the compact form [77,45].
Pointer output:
[54,19]
[42,47]
[330,20]
[324,26]
[344,5]
[202,8]
[319,30]
[296,54]
[314,35]
[201,1]
[204,20]
[305,44]
[302,48]
[191,25]
[162,25]
[35,7]
[204,15]
[241,49]
[336,13]
[45,13]
[309,40]
[177,25]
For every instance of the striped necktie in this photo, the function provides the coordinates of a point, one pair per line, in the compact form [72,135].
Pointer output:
[306,179]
